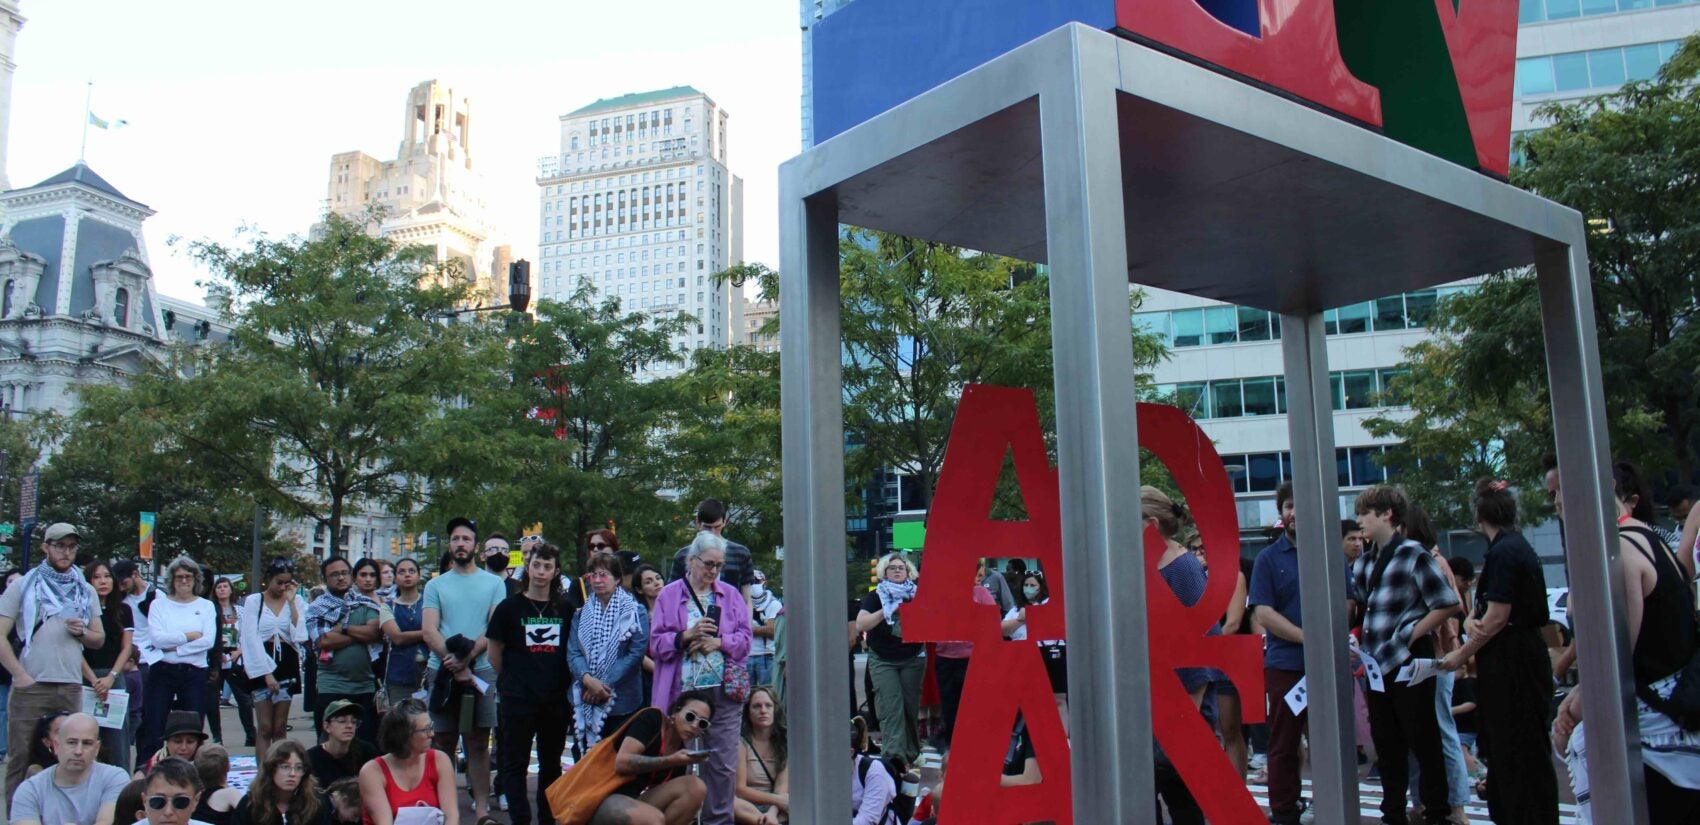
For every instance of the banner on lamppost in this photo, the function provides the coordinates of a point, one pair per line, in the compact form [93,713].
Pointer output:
[29,502]
[146,535]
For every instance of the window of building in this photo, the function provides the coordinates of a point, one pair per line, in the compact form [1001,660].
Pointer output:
[1257,325]
[1259,396]
[1263,471]
[1193,398]
[1355,318]
[1188,326]
[6,298]
[1358,389]
[121,307]
[1221,325]
[1226,400]
[1390,313]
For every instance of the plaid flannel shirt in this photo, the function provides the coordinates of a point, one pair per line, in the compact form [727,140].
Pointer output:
[1410,587]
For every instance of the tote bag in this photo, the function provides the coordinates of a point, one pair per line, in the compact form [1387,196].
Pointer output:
[575,797]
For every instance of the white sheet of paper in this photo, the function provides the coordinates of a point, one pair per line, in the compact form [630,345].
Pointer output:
[1419,671]
[110,713]
[483,686]
[1298,698]
[1372,670]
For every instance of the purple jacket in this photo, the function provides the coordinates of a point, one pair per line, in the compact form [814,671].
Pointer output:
[670,619]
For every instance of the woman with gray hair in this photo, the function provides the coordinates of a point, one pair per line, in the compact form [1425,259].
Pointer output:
[699,639]
[183,628]
[895,666]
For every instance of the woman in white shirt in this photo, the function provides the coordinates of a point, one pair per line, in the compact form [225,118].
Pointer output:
[183,628]
[272,626]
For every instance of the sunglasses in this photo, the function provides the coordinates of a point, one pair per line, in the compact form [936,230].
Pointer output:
[601,545]
[179,801]
[281,565]
[691,718]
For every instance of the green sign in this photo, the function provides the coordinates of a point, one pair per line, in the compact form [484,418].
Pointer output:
[7,529]
[909,535]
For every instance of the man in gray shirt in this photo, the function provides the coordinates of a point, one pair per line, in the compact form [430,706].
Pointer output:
[78,790]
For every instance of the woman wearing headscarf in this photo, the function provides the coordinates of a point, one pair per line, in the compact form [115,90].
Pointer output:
[605,653]
[895,666]
[700,638]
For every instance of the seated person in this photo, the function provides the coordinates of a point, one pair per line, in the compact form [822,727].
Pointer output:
[652,754]
[283,792]
[130,805]
[409,759]
[343,801]
[341,755]
[41,744]
[75,790]
[763,783]
[218,802]
[170,792]
[872,789]
[183,738]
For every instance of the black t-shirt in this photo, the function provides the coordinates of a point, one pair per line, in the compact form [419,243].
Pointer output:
[113,623]
[534,659]
[327,769]
[1020,750]
[1463,693]
[645,727]
[885,644]
[1511,574]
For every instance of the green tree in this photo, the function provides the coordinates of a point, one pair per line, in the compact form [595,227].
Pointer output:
[340,354]
[1478,393]
[568,432]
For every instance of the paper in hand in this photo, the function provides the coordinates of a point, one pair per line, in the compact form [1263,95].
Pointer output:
[1372,670]
[1419,671]
[1298,698]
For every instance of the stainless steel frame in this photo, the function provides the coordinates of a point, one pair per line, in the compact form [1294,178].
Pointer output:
[1117,164]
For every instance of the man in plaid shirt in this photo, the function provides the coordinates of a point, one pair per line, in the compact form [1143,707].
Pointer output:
[1405,597]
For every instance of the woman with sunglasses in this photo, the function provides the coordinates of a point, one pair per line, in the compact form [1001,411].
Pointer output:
[653,754]
[283,792]
[411,773]
[596,543]
[272,627]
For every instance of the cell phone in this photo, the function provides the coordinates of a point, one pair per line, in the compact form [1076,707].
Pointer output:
[698,754]
[714,616]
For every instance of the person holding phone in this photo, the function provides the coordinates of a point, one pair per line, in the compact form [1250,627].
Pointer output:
[699,640]
[653,753]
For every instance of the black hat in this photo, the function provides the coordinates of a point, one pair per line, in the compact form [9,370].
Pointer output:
[461,521]
[184,722]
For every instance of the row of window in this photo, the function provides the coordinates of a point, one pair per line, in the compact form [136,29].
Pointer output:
[1207,326]
[1264,472]
[1267,395]
[1598,69]
[1540,11]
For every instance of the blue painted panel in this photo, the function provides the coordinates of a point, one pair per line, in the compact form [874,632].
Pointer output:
[44,237]
[96,242]
[874,54]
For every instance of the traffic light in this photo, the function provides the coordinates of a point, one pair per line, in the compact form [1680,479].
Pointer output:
[407,543]
[873,571]
[395,546]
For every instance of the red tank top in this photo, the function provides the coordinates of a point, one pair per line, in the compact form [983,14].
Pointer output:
[425,793]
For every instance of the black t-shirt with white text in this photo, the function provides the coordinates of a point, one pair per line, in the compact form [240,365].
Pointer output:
[534,659]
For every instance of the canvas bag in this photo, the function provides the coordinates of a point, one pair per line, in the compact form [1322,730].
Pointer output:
[574,798]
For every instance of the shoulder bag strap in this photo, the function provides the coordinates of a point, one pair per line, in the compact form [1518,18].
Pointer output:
[762,762]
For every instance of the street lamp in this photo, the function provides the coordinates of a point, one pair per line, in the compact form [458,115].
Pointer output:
[519,292]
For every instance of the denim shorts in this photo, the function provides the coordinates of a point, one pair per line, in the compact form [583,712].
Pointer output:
[265,694]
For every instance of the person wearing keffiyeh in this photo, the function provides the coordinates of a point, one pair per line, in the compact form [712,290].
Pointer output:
[605,653]
[895,666]
[341,623]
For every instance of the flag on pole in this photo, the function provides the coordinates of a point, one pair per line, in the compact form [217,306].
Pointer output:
[102,123]
[146,535]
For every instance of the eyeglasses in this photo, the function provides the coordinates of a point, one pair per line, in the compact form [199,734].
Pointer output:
[599,574]
[188,577]
[711,565]
[691,718]
[426,729]
[292,768]
[179,801]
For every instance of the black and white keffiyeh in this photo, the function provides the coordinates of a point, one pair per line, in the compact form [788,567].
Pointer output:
[892,596]
[329,610]
[50,594]
[602,629]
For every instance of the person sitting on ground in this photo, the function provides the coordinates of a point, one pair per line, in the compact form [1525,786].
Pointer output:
[218,802]
[341,755]
[764,784]
[871,787]
[283,792]
[76,790]
[42,750]
[411,773]
[343,798]
[170,791]
[130,806]
[183,739]
[652,753]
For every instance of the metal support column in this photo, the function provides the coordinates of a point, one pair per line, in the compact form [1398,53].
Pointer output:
[1590,531]
[1316,496]
[1097,452]
[818,675]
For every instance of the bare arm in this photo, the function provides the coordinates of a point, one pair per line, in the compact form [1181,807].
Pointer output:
[365,633]
[335,640]
[400,637]
[446,786]
[631,760]
[1690,535]
[1481,632]
[106,813]
[868,620]
[1275,623]
[9,658]
[1236,608]
[744,791]
[1428,623]
[495,650]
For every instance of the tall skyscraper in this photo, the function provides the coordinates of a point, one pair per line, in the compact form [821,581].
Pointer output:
[10,22]
[639,204]
[430,193]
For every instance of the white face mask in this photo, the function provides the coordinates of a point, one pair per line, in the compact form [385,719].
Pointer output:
[757,591]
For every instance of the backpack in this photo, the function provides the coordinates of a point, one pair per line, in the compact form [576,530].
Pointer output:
[903,803]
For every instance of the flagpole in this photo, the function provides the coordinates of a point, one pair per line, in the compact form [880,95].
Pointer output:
[88,112]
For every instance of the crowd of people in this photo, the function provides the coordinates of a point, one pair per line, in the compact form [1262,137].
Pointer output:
[667,690]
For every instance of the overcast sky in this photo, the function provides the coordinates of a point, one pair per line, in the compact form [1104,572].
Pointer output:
[236,107]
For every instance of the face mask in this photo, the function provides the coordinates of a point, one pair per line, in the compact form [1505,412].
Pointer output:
[757,591]
[1031,592]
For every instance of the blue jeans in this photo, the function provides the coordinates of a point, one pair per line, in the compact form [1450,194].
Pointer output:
[169,686]
[1457,776]
[761,669]
[5,696]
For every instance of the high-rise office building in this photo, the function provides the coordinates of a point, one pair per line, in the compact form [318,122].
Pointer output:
[639,204]
[10,22]
[430,193]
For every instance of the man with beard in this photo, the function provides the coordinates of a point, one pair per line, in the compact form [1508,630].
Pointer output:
[341,623]
[457,611]
[57,615]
